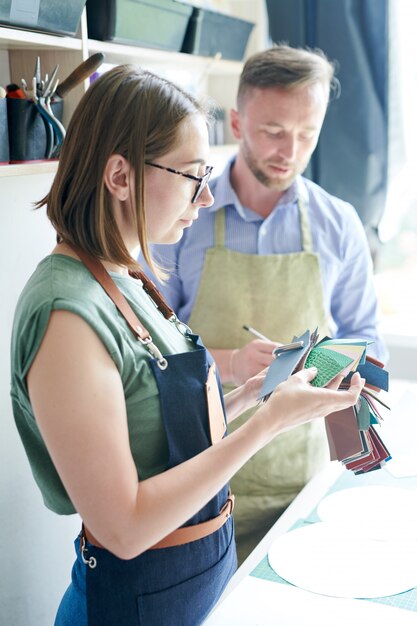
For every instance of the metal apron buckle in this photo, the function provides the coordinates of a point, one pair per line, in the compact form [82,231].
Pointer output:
[91,561]
[153,349]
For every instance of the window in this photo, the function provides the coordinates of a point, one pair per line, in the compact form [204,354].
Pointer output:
[396,263]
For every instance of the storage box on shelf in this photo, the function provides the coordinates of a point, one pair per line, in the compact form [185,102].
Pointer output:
[211,32]
[154,23]
[43,15]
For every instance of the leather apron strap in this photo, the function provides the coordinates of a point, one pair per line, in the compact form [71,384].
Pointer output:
[184,534]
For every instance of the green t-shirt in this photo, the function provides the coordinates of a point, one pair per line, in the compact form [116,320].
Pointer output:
[61,282]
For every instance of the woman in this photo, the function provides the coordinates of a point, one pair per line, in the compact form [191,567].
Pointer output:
[117,403]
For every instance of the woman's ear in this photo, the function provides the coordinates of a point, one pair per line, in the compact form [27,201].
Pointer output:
[117,177]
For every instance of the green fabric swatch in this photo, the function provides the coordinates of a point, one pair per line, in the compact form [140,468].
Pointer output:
[328,363]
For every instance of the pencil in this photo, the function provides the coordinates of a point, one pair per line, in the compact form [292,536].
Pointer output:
[256,333]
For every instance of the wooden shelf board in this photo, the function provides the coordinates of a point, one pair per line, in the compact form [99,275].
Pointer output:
[29,168]
[120,53]
[16,39]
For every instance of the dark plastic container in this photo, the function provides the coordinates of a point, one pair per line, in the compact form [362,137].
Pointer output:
[27,130]
[149,23]
[210,32]
[4,132]
[53,16]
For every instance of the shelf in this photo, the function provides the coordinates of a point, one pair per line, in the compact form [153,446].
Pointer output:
[68,52]
[122,53]
[50,167]
[16,39]
[29,168]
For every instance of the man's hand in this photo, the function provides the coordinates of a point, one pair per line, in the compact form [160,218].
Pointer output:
[250,360]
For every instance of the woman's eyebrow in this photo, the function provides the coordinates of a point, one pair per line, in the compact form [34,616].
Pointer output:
[194,162]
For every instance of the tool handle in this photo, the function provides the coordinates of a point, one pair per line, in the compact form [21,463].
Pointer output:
[83,71]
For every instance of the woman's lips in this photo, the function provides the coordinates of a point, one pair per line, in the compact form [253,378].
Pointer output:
[186,223]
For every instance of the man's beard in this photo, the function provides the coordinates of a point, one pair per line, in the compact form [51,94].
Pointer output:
[264,179]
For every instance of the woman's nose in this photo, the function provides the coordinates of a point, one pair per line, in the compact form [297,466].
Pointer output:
[206,198]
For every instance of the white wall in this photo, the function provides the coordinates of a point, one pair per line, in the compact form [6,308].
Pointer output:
[402,356]
[36,546]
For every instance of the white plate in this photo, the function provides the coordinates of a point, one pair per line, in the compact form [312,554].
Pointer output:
[375,506]
[333,560]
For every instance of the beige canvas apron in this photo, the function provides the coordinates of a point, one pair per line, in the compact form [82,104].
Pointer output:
[281,296]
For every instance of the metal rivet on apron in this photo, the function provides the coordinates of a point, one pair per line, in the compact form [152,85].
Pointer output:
[162,364]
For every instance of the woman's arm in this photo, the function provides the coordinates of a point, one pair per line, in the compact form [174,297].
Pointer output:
[78,400]
[244,397]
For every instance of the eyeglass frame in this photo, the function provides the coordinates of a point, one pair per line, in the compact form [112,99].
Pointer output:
[202,180]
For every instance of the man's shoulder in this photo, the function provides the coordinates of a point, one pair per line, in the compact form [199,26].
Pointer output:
[318,192]
[323,202]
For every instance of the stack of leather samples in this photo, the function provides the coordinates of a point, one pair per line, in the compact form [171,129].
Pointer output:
[351,433]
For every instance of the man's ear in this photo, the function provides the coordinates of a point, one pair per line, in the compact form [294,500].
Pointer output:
[117,177]
[235,123]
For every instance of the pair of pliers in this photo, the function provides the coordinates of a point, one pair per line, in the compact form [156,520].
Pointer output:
[55,131]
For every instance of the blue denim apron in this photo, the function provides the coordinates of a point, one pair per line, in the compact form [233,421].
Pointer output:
[175,586]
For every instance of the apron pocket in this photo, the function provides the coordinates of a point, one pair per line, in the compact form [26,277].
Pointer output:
[189,602]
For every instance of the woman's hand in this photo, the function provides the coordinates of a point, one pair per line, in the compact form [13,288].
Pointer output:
[244,397]
[296,401]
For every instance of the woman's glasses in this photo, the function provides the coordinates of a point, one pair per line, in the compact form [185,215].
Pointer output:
[201,180]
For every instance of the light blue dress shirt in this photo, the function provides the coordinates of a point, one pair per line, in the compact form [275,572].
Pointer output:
[338,238]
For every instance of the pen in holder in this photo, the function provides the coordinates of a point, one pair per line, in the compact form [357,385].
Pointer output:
[30,134]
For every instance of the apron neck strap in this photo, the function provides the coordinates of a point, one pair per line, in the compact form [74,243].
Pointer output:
[139,330]
[153,293]
[306,238]
[220,228]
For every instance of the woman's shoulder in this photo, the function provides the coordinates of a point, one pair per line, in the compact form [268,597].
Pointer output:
[58,283]
[57,278]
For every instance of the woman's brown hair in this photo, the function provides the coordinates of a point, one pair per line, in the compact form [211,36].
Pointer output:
[127,111]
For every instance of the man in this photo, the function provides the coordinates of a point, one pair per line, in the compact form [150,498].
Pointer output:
[277,253]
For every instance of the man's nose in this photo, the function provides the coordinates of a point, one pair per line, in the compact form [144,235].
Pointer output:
[287,147]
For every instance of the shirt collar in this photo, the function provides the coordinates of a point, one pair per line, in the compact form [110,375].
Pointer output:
[223,190]
[224,194]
